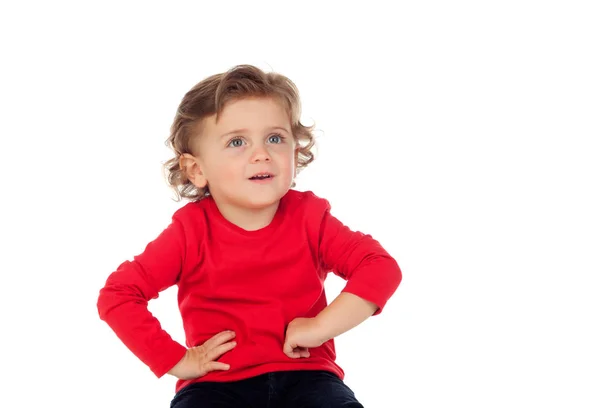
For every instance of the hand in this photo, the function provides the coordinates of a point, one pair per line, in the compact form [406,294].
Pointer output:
[302,333]
[199,360]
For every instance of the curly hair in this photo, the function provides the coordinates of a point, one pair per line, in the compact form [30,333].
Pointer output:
[210,96]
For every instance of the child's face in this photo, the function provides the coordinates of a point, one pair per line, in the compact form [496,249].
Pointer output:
[253,137]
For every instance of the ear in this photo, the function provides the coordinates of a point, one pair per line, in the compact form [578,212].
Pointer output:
[190,166]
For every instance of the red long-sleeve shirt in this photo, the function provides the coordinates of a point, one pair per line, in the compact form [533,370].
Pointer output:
[251,282]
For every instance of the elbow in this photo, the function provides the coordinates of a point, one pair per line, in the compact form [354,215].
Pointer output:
[113,296]
[397,275]
[103,303]
[397,280]
[394,274]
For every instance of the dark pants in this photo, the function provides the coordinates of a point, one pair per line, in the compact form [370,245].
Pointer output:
[285,389]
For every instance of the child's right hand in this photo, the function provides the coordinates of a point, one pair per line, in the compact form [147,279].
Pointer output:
[200,360]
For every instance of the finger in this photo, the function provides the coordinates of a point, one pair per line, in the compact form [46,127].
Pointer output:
[292,351]
[288,348]
[302,352]
[297,353]
[219,339]
[218,351]
[215,366]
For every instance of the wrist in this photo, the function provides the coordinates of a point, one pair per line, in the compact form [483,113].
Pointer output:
[322,328]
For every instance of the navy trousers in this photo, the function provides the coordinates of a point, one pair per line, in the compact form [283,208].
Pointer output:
[284,389]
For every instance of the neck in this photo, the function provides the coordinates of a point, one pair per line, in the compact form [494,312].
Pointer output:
[250,219]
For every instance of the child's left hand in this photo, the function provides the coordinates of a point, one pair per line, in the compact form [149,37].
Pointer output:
[302,333]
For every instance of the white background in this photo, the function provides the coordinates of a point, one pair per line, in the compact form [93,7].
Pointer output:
[462,135]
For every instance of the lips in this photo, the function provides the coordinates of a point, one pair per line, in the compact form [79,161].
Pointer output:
[262,176]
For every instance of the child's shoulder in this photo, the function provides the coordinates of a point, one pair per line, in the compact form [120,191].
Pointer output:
[192,209]
[306,200]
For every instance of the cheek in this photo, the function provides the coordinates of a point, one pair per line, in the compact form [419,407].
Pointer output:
[283,152]
[219,167]
[232,165]
[287,163]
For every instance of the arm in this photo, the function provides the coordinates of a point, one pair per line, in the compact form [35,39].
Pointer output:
[372,277]
[344,313]
[123,301]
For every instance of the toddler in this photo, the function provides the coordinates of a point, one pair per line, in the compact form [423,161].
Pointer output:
[249,255]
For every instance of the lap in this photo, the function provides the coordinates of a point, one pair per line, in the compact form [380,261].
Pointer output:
[285,389]
[248,393]
[316,389]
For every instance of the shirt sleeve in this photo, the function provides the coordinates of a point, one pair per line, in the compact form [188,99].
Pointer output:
[123,301]
[371,273]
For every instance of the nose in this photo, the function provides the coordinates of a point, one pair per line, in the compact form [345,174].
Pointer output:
[260,154]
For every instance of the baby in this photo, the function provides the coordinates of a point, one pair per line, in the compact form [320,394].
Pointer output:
[249,255]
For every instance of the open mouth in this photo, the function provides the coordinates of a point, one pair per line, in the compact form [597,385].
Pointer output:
[262,176]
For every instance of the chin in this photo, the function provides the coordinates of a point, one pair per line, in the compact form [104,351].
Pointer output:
[263,200]
[258,203]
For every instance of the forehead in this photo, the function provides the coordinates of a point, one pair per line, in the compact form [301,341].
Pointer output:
[251,111]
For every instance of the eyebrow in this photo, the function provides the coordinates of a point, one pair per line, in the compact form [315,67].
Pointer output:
[245,130]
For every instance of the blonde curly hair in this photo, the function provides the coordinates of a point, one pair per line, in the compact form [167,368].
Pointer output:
[209,97]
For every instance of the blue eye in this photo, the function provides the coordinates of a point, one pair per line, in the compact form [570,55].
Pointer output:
[237,142]
[275,139]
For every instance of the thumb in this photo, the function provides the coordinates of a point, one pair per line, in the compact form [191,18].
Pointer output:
[288,349]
